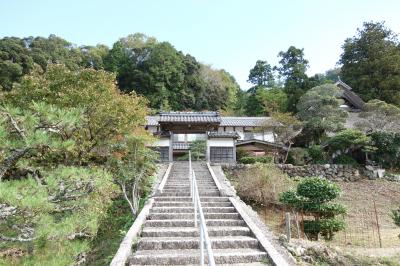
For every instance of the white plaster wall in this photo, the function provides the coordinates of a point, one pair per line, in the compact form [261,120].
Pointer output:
[161,142]
[269,136]
[152,129]
[222,142]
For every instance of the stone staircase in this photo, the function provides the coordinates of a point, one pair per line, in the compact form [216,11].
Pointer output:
[170,238]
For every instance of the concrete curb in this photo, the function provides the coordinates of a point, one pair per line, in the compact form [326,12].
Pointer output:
[164,179]
[276,258]
[125,248]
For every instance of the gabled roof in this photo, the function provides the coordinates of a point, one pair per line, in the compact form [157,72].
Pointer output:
[189,117]
[349,95]
[232,121]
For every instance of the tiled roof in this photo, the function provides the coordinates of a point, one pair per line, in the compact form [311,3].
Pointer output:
[152,120]
[207,117]
[232,121]
[180,146]
[223,135]
[189,117]
[350,95]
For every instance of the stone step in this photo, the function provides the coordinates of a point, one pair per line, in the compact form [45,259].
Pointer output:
[194,232]
[187,194]
[190,204]
[189,199]
[178,257]
[174,216]
[221,242]
[190,223]
[191,210]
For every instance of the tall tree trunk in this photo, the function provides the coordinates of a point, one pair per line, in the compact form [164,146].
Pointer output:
[287,153]
[11,160]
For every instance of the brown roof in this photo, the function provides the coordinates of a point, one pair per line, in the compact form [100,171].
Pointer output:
[349,95]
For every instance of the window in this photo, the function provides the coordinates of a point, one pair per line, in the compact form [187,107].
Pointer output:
[221,154]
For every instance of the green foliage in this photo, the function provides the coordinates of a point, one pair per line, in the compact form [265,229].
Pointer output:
[256,159]
[53,217]
[313,197]
[371,63]
[293,68]
[198,149]
[297,156]
[349,139]
[262,74]
[379,116]
[273,100]
[319,109]
[317,154]
[396,216]
[387,146]
[107,112]
[260,183]
[240,153]
[345,159]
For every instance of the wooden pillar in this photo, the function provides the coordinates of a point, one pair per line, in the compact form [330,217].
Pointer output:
[171,148]
[234,150]
[208,149]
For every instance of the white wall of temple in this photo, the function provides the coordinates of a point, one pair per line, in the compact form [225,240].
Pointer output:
[164,142]
[246,133]
[221,142]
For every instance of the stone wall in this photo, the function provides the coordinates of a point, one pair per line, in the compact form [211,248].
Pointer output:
[329,171]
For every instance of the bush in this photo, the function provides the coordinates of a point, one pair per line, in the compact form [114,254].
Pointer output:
[387,151]
[260,183]
[312,197]
[317,155]
[345,159]
[240,153]
[253,160]
[297,156]
[396,216]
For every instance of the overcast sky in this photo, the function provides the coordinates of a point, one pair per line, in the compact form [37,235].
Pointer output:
[229,34]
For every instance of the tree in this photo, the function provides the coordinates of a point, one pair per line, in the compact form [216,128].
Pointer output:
[387,148]
[349,141]
[292,69]
[254,105]
[319,110]
[274,100]
[313,197]
[262,74]
[379,116]
[35,133]
[108,112]
[371,63]
[285,127]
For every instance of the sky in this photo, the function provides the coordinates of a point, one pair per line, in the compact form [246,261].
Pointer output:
[228,34]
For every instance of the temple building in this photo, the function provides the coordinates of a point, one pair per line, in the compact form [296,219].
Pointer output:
[222,135]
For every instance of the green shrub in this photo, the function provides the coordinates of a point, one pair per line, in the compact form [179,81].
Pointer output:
[240,153]
[396,216]
[313,197]
[248,160]
[317,155]
[387,151]
[257,159]
[297,156]
[345,159]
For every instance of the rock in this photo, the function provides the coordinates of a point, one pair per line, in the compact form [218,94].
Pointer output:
[380,172]
[369,167]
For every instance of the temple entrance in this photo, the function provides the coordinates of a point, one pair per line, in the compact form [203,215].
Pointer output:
[182,142]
